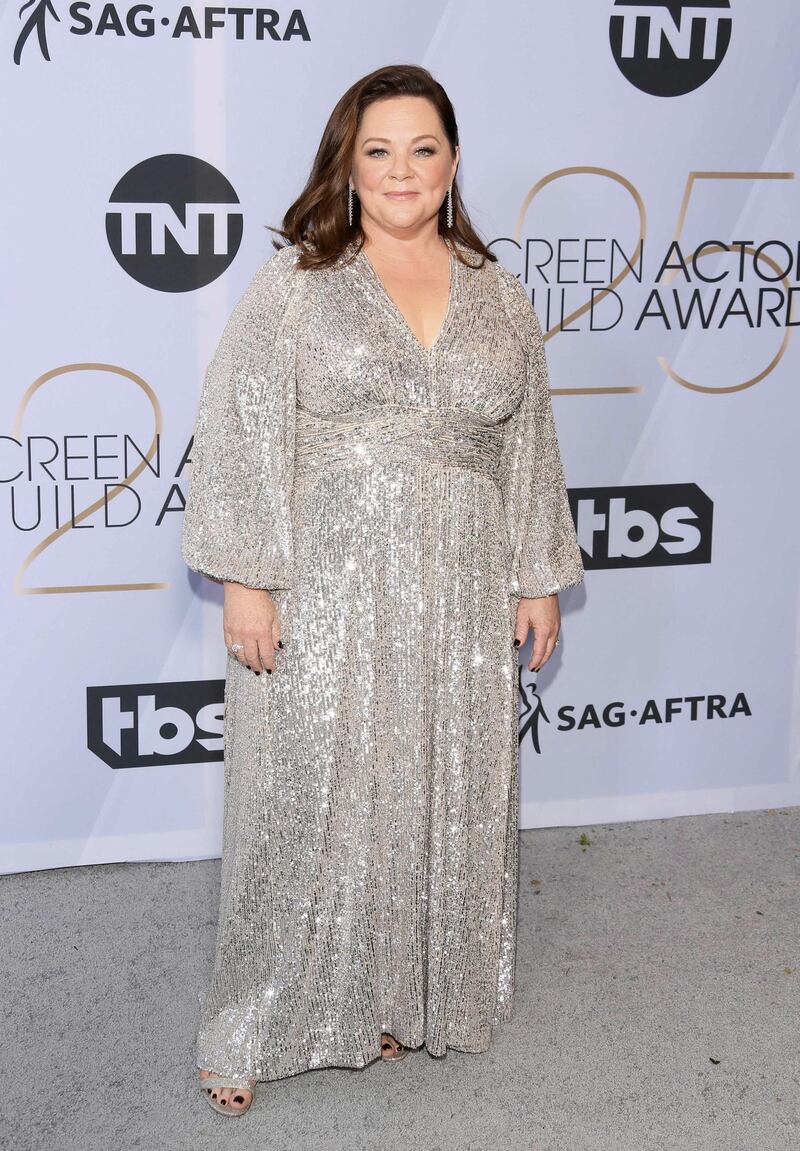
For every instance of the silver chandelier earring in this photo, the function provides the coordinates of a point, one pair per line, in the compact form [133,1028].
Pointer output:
[350,204]
[450,206]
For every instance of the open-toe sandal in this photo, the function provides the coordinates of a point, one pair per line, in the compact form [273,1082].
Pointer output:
[392,1049]
[212,1083]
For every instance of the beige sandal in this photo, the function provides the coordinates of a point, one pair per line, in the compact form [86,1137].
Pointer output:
[211,1083]
[392,1049]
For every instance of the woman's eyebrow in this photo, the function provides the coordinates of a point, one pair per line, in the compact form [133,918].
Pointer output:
[383,140]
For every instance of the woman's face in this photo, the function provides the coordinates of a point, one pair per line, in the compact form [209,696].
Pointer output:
[402,164]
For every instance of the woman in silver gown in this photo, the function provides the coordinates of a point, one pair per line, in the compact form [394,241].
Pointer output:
[376,479]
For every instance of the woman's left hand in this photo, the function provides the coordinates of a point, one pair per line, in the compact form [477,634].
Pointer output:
[544,616]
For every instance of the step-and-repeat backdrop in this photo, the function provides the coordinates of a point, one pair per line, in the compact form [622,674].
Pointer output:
[635,163]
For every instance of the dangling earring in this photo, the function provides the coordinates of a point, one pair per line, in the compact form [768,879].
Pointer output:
[350,204]
[450,206]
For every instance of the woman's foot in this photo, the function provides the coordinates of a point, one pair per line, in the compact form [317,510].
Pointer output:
[235,1098]
[391,1048]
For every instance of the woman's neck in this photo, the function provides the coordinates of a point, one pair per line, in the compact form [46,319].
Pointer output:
[424,244]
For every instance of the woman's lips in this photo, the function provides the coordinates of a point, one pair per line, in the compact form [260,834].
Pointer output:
[400,195]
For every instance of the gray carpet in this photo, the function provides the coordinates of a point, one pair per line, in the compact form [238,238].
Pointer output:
[657,1006]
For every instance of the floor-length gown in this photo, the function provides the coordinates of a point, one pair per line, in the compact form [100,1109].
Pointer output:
[396,500]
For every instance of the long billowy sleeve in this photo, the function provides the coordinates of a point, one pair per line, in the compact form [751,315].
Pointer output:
[545,556]
[237,523]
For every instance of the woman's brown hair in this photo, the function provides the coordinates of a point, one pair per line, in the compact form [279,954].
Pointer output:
[317,221]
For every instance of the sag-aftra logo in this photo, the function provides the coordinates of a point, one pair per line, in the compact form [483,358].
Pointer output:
[43,22]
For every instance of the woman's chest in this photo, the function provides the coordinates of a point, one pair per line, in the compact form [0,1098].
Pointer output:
[355,350]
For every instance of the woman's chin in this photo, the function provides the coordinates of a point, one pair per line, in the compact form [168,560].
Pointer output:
[402,217]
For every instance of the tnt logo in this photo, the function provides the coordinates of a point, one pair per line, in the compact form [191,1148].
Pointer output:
[669,48]
[155,724]
[174,223]
[652,525]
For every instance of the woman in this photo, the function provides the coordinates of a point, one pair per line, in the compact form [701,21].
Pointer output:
[376,478]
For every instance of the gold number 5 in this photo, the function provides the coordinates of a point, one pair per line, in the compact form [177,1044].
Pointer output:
[692,178]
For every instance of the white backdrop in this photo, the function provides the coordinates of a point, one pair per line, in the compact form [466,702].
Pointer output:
[146,152]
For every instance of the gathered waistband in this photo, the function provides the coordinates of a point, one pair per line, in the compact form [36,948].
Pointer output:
[398,432]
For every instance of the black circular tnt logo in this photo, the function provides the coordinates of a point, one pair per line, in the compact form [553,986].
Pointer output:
[174,223]
[669,48]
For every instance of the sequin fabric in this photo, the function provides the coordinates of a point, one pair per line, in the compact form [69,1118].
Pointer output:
[397,500]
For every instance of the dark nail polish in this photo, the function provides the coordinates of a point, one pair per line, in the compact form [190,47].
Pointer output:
[280,643]
[258,673]
[247,665]
[516,643]
[269,671]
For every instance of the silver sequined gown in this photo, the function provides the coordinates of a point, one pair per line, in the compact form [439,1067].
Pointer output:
[397,501]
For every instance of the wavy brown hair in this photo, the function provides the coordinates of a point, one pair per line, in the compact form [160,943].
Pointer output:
[317,221]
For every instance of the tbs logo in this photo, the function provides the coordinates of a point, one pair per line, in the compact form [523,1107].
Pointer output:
[151,724]
[652,525]
[671,47]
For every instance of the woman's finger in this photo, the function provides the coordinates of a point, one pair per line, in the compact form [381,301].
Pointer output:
[232,641]
[277,642]
[246,651]
[544,644]
[266,653]
[538,648]
[250,653]
[551,646]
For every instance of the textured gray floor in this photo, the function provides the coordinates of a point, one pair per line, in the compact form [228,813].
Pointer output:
[657,1006]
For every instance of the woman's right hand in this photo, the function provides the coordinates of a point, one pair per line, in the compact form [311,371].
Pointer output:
[250,617]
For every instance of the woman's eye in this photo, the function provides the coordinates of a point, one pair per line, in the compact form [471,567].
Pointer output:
[424,150]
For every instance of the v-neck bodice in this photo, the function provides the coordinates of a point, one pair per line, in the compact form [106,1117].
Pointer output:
[394,308]
[356,351]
